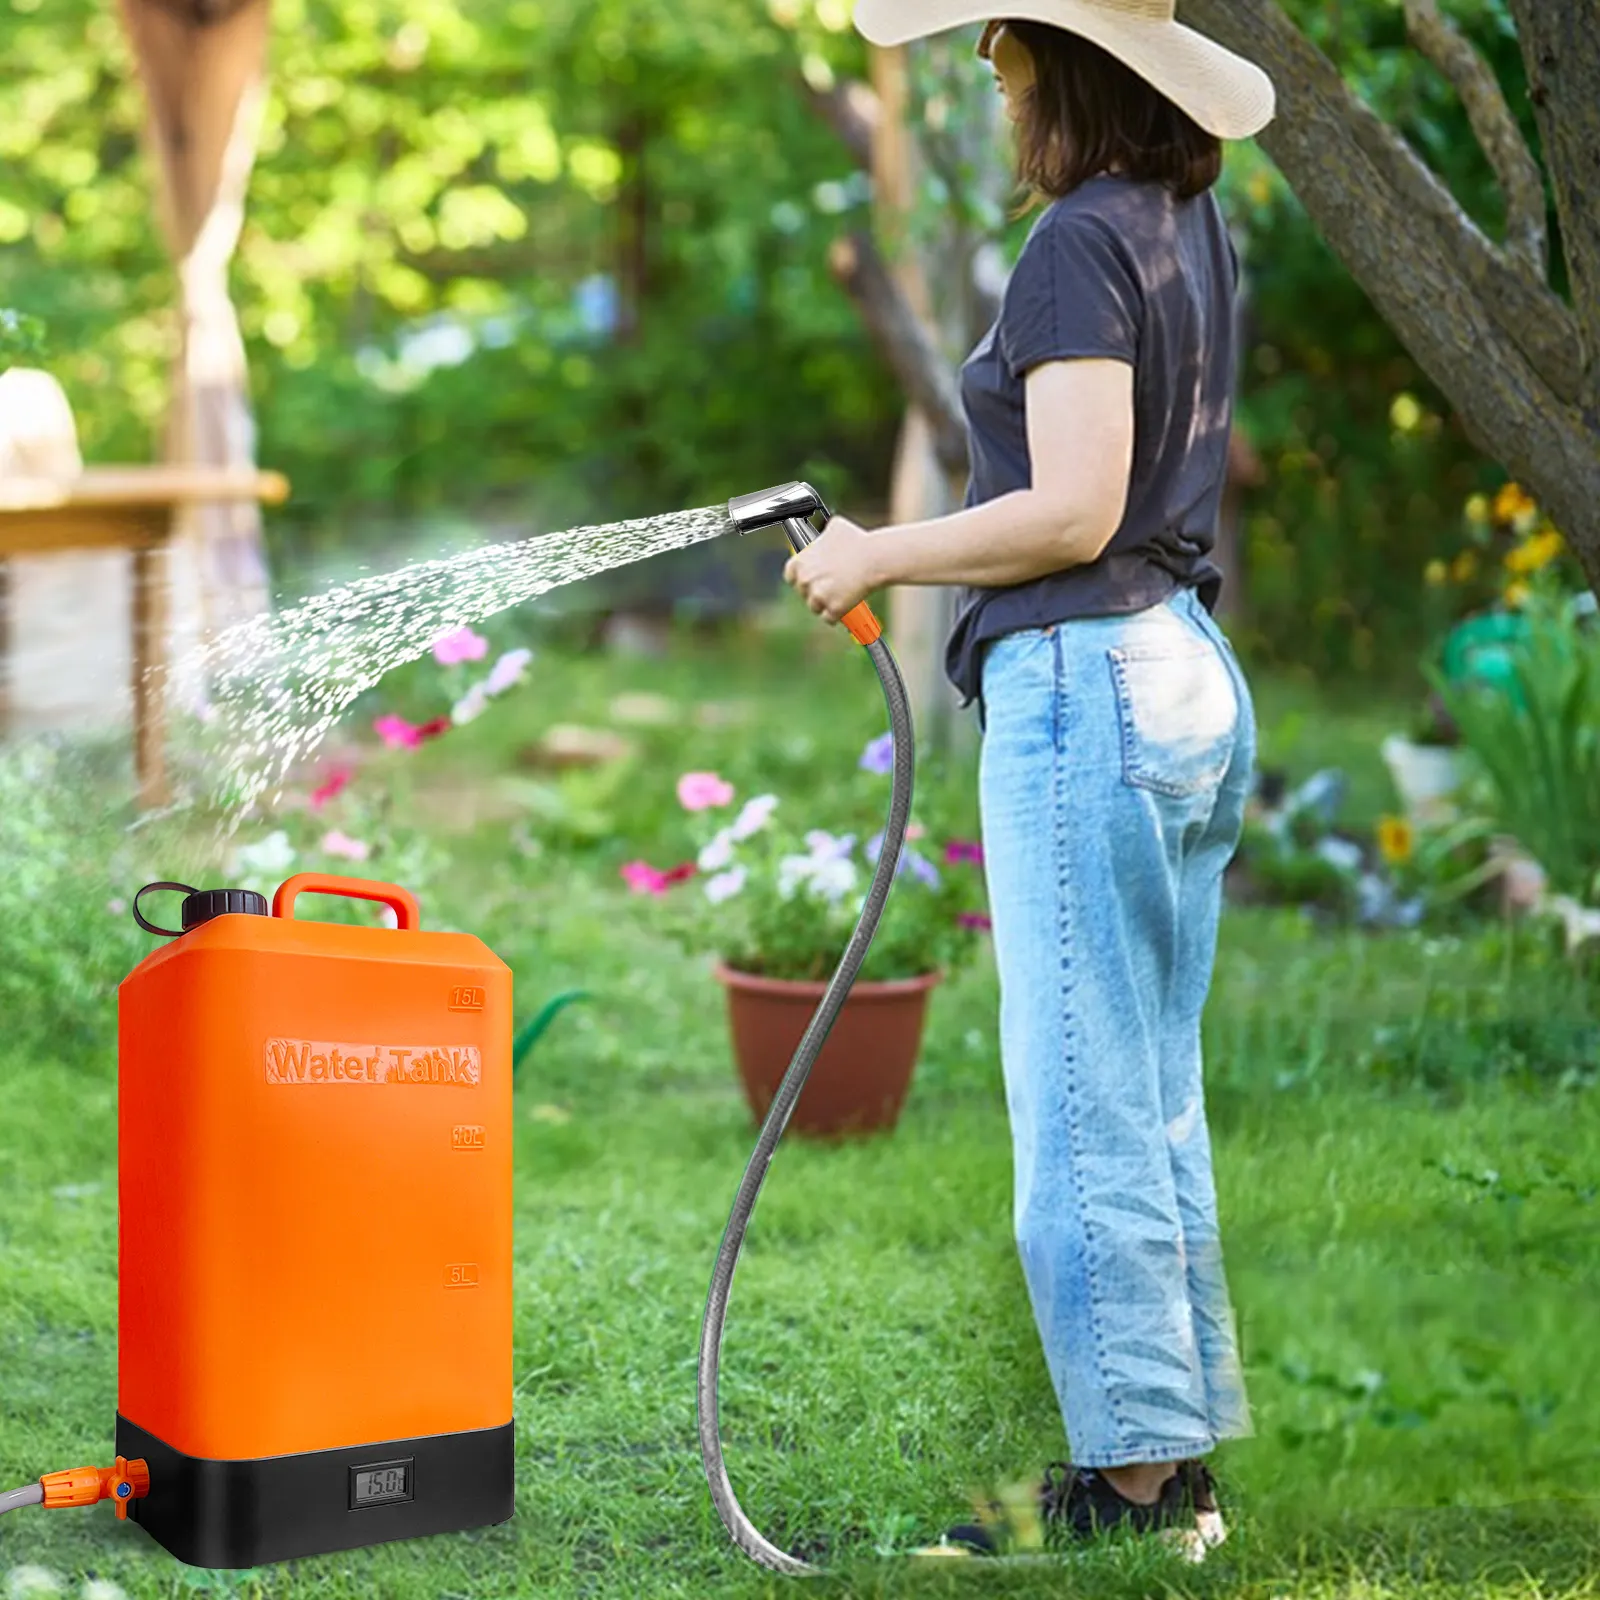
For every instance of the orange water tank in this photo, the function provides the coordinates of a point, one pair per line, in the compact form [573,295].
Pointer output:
[314,1134]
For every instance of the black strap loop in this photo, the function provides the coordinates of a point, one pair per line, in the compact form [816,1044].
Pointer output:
[150,927]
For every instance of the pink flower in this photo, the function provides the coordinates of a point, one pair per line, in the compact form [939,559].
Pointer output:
[974,919]
[341,844]
[700,791]
[915,830]
[462,645]
[396,732]
[959,850]
[642,878]
[335,783]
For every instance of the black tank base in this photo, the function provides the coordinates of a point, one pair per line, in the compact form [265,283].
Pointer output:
[252,1513]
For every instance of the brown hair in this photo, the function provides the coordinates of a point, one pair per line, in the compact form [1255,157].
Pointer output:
[1087,111]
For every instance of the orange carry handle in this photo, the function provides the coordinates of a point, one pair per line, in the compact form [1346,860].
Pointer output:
[401,901]
[862,624]
[86,1486]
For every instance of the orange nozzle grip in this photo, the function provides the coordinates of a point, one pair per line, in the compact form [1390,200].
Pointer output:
[863,626]
[86,1486]
[76,1486]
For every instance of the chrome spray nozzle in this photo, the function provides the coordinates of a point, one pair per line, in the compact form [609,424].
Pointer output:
[791,504]
[794,505]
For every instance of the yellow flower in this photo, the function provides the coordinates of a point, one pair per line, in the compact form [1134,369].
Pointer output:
[1464,565]
[1511,502]
[1260,188]
[1535,553]
[1405,413]
[1478,509]
[1396,839]
[1435,572]
[1516,593]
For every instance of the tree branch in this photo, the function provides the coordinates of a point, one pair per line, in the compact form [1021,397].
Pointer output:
[1493,125]
[1313,95]
[906,343]
[851,110]
[1436,281]
[1561,50]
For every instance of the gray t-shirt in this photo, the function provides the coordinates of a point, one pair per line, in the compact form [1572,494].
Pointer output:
[1122,269]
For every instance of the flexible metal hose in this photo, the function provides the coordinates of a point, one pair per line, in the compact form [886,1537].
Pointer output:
[745,1534]
[30,1494]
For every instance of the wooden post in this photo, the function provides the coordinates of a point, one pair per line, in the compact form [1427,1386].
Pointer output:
[148,597]
[919,615]
[5,648]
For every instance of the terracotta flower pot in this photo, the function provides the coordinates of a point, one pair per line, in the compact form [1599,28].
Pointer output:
[859,1081]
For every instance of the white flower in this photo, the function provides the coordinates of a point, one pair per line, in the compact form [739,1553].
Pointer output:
[725,885]
[830,878]
[826,847]
[507,671]
[792,872]
[718,853]
[266,858]
[753,817]
[101,1589]
[1342,854]
[833,879]
[22,1583]
[471,704]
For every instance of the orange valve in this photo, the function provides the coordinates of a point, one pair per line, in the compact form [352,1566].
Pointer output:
[127,1480]
[87,1486]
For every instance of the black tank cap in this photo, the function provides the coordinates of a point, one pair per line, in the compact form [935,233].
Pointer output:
[205,904]
[201,905]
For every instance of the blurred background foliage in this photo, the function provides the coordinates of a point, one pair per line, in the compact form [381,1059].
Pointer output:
[546,262]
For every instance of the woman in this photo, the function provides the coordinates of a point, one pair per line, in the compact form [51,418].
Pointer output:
[1118,732]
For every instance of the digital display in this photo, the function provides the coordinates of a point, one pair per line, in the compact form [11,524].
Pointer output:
[381,1483]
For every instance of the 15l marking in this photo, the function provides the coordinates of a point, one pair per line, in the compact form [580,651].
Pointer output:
[466,999]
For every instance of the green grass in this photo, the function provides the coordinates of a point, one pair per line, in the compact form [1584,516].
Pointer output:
[1408,1155]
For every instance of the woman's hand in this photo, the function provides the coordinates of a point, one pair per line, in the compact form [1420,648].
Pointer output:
[834,573]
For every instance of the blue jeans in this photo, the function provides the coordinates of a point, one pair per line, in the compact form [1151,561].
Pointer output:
[1118,753]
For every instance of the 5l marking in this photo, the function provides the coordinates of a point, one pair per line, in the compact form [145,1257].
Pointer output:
[461,1275]
[466,999]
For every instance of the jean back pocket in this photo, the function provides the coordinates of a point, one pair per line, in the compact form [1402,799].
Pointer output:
[1179,715]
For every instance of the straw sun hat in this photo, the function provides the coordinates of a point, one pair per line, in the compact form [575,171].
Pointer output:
[1224,93]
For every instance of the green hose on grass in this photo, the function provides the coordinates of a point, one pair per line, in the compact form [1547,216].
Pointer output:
[532,1031]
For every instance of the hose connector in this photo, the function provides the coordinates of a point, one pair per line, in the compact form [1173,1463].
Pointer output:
[87,1486]
[793,506]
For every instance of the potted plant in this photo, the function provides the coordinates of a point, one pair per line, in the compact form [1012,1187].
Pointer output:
[1426,766]
[774,899]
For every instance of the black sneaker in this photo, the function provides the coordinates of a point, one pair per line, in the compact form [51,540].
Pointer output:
[1076,1503]
[1201,1489]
